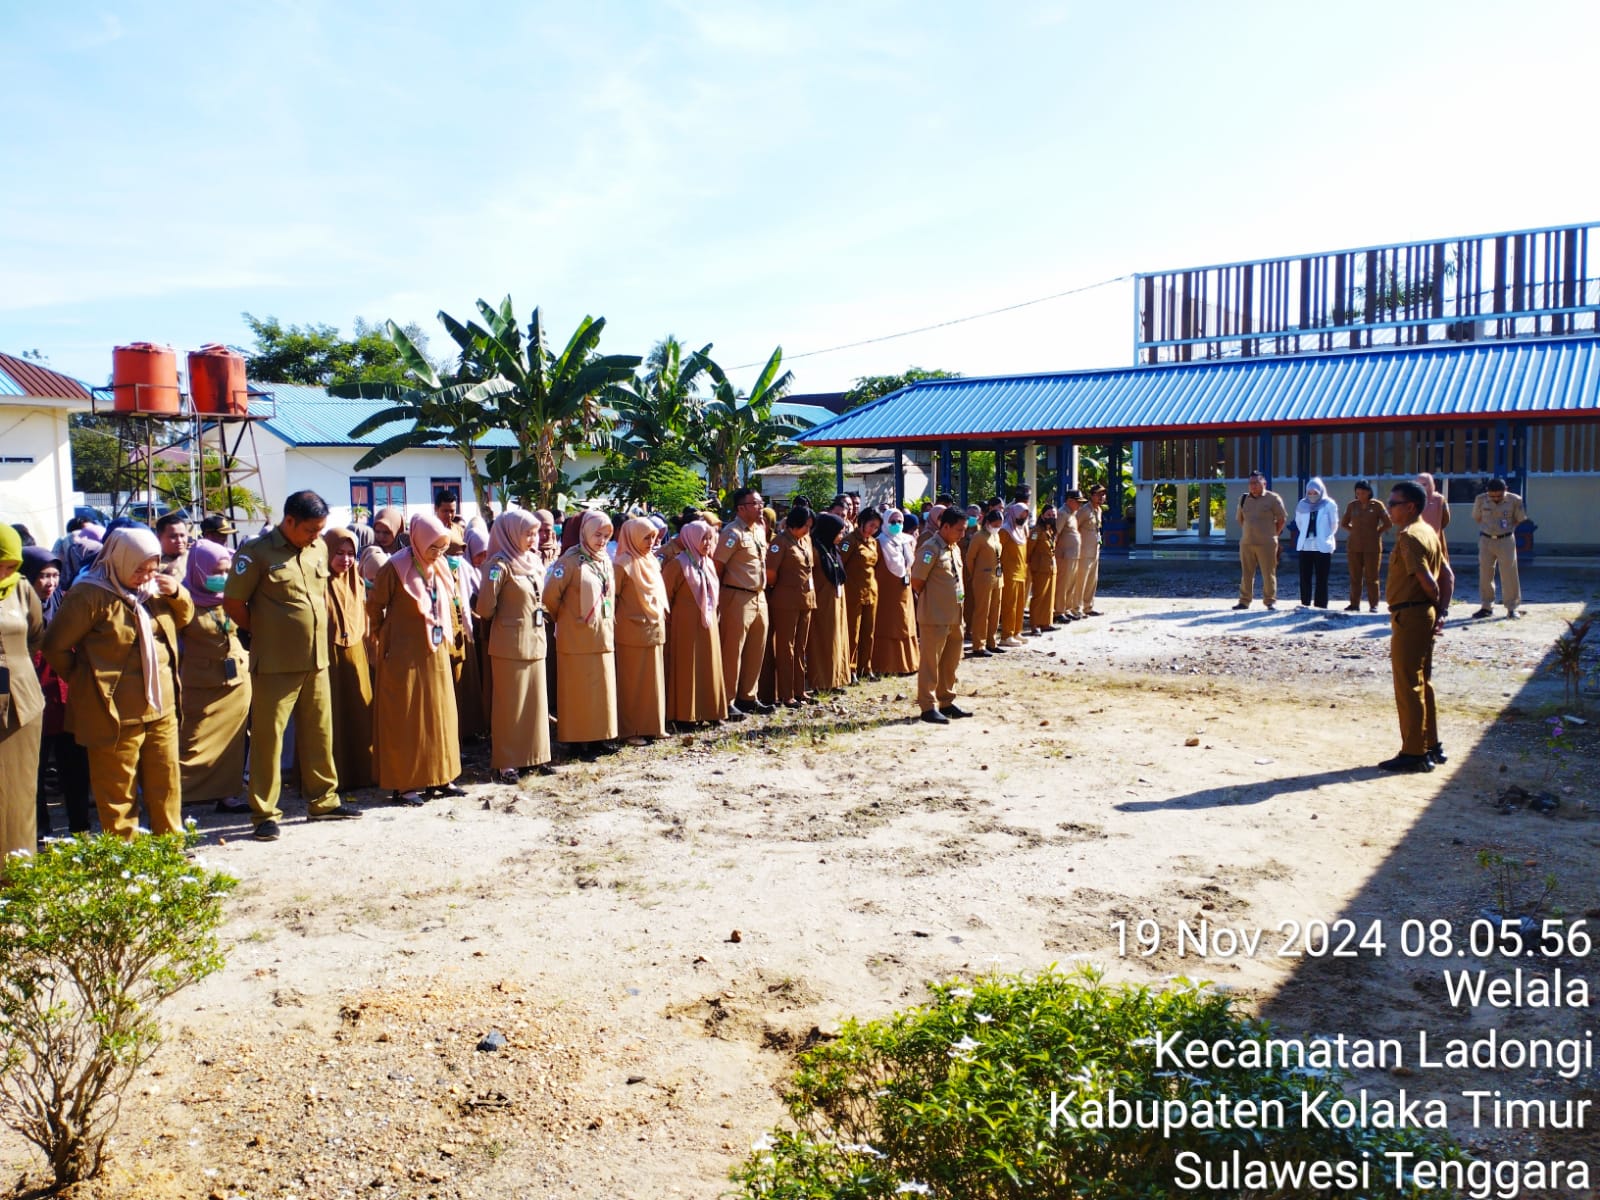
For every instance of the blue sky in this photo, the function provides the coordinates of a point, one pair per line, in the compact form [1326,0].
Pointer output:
[749,173]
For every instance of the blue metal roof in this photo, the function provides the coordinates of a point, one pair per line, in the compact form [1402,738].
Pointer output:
[308,416]
[1549,378]
[813,413]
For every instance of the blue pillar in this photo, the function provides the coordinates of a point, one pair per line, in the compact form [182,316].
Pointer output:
[946,471]
[1000,472]
[899,477]
[965,475]
[1502,449]
[1303,460]
[1062,473]
[1264,456]
[838,471]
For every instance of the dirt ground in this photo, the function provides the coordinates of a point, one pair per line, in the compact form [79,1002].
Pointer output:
[657,935]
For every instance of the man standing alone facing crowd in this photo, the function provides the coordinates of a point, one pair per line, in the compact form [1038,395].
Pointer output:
[1261,519]
[1498,513]
[1418,594]
[936,580]
[740,556]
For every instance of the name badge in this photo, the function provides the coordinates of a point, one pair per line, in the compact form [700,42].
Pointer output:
[438,635]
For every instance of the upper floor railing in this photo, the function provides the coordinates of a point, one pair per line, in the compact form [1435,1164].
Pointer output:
[1488,287]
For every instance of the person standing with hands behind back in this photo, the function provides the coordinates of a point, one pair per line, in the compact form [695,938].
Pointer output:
[1261,519]
[1419,589]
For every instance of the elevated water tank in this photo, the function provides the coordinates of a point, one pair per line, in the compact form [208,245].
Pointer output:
[216,381]
[144,379]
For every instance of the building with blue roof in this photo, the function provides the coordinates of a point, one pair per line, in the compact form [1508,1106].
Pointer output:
[1466,358]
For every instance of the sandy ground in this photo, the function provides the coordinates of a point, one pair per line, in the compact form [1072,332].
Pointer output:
[657,935]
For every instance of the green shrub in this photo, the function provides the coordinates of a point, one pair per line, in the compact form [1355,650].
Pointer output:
[953,1099]
[94,934]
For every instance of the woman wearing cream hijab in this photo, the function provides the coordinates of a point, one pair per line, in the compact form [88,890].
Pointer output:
[417,746]
[115,641]
[641,634]
[580,595]
[510,605]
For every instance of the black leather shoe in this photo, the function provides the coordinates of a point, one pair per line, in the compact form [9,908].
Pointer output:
[409,799]
[954,713]
[265,831]
[981,654]
[735,713]
[1238,607]
[1436,755]
[934,717]
[451,789]
[343,813]
[1410,764]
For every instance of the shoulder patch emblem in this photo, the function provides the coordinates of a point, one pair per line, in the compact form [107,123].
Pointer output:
[927,556]
[731,541]
[241,564]
[556,572]
[776,549]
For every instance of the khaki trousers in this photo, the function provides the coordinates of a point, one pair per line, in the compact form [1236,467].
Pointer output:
[742,623]
[1263,558]
[1069,582]
[1088,580]
[308,698]
[1502,553]
[859,617]
[790,628]
[1013,599]
[1364,565]
[144,758]
[984,628]
[936,673]
[1411,660]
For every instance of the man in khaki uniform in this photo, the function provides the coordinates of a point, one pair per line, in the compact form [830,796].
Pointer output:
[1498,513]
[1261,519]
[278,596]
[173,530]
[1069,549]
[1089,518]
[1418,594]
[741,605]
[936,580]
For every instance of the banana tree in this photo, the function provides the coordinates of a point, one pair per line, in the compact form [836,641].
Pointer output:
[659,415]
[457,414]
[739,435]
[551,403]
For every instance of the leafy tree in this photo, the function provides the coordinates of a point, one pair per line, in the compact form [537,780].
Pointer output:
[177,485]
[658,421]
[98,460]
[458,414]
[318,355]
[552,403]
[870,387]
[669,488]
[739,435]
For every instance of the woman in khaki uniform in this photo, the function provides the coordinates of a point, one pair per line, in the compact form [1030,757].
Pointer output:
[859,553]
[349,671]
[696,691]
[216,688]
[894,632]
[511,605]
[1013,573]
[1042,572]
[827,644]
[641,634]
[115,641]
[21,701]
[982,563]
[580,594]
[791,599]
[417,749]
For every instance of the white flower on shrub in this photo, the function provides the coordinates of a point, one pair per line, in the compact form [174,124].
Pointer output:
[913,1189]
[763,1143]
[982,1018]
[963,1048]
[961,993]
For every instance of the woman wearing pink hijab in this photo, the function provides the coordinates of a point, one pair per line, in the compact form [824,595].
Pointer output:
[695,688]
[510,605]
[417,743]
[641,634]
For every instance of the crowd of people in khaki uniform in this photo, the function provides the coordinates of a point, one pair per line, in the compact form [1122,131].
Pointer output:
[160,668]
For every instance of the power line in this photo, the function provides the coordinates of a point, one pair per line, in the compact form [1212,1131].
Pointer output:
[993,312]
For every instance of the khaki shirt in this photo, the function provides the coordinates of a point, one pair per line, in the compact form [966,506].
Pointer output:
[513,606]
[1069,538]
[21,634]
[563,601]
[859,554]
[790,557]
[982,559]
[1260,518]
[207,647]
[939,567]
[1366,523]
[287,591]
[1089,518]
[1496,520]
[743,550]
[1417,545]
[1042,551]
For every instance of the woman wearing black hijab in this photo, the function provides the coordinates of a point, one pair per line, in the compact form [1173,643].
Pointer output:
[827,647]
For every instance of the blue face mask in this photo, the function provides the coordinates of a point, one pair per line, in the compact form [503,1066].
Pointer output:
[558,530]
[894,530]
[972,522]
[454,560]
[215,583]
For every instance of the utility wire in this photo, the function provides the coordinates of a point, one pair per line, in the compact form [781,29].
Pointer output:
[993,312]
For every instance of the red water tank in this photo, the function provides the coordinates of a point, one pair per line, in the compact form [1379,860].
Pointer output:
[216,381]
[144,379]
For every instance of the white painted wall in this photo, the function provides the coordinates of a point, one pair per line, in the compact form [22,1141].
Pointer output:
[39,493]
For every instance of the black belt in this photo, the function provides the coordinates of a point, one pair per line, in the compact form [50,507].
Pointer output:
[735,587]
[1394,608]
[1496,536]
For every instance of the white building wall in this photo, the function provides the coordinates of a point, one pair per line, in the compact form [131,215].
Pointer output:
[36,484]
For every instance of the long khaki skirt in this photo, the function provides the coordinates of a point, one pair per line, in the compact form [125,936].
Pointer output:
[519,712]
[19,786]
[586,697]
[211,742]
[894,632]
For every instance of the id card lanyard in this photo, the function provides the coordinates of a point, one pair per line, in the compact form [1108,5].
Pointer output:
[433,603]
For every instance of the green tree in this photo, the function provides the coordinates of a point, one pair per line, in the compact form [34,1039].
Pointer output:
[552,403]
[870,387]
[740,436]
[669,488]
[177,485]
[457,414]
[98,460]
[318,355]
[659,416]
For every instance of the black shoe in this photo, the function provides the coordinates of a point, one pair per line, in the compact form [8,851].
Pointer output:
[265,831]
[954,713]
[342,813]
[450,789]
[981,654]
[735,713]
[997,649]
[1240,607]
[1094,612]
[1411,764]
[1436,755]
[934,717]
[409,799]
[233,804]
[1481,613]
[1352,608]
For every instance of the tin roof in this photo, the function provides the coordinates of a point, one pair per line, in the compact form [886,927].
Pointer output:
[305,415]
[19,377]
[1551,378]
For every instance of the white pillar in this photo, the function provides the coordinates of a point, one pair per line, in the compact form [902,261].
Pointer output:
[1180,507]
[1031,472]
[1144,514]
